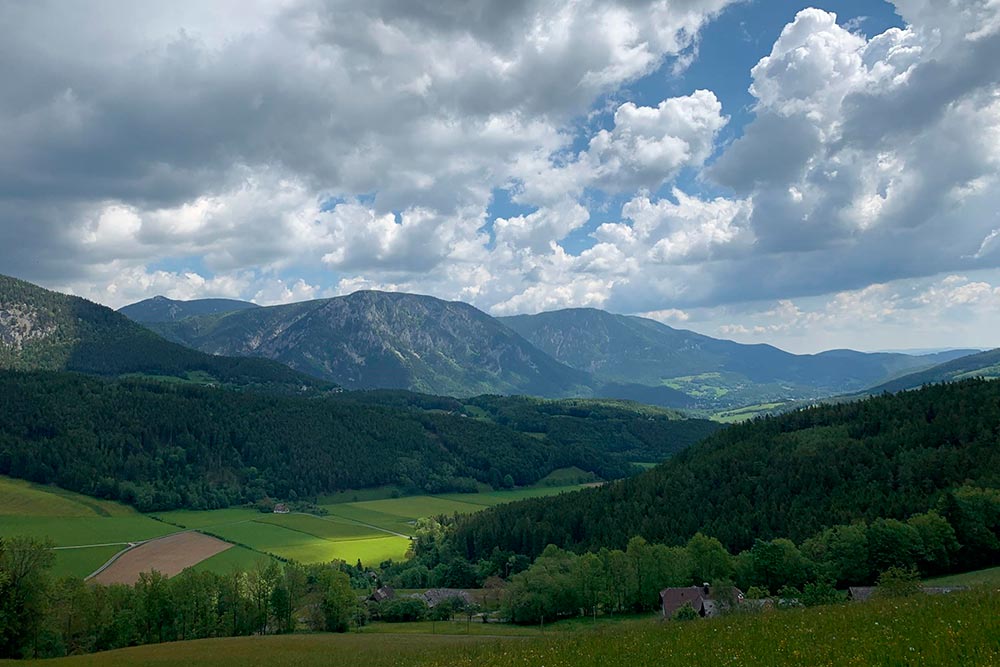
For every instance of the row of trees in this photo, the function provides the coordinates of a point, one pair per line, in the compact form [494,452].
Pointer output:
[561,583]
[41,616]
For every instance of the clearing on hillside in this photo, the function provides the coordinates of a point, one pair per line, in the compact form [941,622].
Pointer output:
[167,555]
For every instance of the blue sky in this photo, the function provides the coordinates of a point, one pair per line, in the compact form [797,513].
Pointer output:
[758,170]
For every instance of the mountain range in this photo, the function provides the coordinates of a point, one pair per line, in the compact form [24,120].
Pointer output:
[374,339]
[45,330]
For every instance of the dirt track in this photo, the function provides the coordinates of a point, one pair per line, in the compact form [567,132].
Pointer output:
[167,555]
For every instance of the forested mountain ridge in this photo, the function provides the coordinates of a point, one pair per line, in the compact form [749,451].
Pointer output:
[162,309]
[45,330]
[629,350]
[984,364]
[790,476]
[373,339]
[160,446]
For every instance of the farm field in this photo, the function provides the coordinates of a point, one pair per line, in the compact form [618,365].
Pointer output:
[167,555]
[82,562]
[79,531]
[934,631]
[373,529]
[237,558]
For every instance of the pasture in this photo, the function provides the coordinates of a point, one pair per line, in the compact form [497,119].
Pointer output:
[987,577]
[374,528]
[22,498]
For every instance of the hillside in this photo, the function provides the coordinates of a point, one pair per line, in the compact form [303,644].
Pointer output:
[386,340]
[161,446]
[162,309]
[45,330]
[788,476]
[985,365]
[631,354]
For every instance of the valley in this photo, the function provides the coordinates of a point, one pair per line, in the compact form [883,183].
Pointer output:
[86,533]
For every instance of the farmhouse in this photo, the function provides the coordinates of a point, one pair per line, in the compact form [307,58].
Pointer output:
[382,594]
[436,596]
[701,598]
[281,508]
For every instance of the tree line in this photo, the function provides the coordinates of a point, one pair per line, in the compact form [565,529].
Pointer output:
[41,616]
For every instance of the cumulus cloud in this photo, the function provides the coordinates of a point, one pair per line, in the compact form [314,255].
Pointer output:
[645,147]
[304,148]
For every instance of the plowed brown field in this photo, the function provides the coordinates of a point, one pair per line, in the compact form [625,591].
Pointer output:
[167,555]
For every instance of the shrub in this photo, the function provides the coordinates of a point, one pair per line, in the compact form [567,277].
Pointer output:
[898,582]
[685,613]
[403,609]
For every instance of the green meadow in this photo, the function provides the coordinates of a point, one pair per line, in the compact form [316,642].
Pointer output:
[933,631]
[71,520]
[370,525]
[82,562]
[987,577]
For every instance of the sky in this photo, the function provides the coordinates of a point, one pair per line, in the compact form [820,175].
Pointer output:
[810,175]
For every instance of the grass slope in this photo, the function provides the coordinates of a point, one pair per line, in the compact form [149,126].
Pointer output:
[958,629]
[21,498]
[988,577]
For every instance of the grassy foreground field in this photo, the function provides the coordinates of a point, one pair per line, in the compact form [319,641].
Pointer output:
[958,629]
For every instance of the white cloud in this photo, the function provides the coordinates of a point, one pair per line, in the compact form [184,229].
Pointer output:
[645,147]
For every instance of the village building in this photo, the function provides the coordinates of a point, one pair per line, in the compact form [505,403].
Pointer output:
[281,508]
[436,596]
[701,598]
[382,594]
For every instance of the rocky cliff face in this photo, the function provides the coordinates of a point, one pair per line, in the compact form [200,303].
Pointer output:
[21,324]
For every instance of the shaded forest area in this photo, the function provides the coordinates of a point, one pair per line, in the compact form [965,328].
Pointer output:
[790,476]
[159,446]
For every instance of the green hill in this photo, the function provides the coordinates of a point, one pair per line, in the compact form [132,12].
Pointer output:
[45,330]
[787,476]
[984,364]
[375,339]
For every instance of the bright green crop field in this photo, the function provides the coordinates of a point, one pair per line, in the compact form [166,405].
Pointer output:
[926,631]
